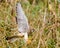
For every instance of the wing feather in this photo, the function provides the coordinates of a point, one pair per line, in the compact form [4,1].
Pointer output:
[21,19]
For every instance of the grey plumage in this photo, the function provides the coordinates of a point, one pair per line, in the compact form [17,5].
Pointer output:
[22,24]
[21,19]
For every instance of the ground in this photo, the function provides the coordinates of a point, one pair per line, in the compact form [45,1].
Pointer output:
[43,17]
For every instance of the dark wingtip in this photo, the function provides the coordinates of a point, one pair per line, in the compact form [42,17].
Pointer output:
[7,38]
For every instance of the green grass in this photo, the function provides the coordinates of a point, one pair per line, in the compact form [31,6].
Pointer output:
[46,33]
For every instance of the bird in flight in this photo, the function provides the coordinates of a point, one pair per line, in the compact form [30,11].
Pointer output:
[22,24]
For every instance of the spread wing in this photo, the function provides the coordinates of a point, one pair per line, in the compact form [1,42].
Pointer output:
[21,19]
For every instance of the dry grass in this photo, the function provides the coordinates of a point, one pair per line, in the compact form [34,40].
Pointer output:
[43,16]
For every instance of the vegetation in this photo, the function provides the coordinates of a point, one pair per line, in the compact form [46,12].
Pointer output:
[43,17]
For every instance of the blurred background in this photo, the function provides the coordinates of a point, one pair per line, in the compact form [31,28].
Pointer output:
[44,20]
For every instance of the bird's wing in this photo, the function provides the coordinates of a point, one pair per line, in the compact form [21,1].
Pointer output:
[21,19]
[22,23]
